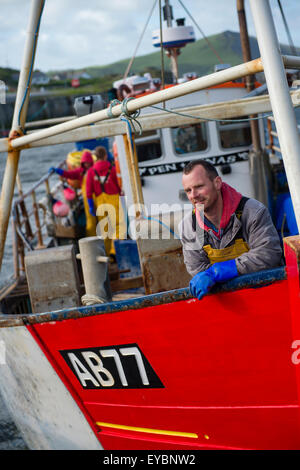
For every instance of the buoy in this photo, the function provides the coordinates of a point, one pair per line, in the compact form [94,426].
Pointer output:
[60,209]
[69,194]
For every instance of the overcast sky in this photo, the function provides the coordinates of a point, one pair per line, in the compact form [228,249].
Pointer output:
[80,33]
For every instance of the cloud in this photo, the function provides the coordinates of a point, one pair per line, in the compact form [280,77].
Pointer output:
[77,33]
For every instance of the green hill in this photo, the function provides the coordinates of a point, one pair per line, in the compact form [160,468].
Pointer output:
[8,76]
[195,57]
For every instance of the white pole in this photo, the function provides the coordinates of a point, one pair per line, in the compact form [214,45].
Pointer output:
[150,121]
[282,107]
[201,83]
[217,78]
[20,111]
[22,97]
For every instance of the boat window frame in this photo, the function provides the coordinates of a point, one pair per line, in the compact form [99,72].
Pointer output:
[158,133]
[232,126]
[193,153]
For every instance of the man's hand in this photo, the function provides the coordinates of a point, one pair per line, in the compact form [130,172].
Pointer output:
[91,207]
[58,171]
[201,284]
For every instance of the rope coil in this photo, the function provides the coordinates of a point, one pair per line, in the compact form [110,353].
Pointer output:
[111,104]
[90,299]
[129,117]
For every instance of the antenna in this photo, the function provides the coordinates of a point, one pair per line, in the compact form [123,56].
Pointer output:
[174,38]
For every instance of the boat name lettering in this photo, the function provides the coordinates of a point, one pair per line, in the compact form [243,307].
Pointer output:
[121,366]
[177,167]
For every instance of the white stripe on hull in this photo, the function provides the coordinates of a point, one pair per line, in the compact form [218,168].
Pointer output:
[43,409]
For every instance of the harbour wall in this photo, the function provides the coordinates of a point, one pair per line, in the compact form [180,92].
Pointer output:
[41,106]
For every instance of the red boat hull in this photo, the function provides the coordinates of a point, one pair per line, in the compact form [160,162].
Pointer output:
[220,371]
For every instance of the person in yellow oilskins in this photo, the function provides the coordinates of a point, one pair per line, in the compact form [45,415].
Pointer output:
[103,196]
[80,174]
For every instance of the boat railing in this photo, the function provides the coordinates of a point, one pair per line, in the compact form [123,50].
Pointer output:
[273,143]
[247,281]
[31,214]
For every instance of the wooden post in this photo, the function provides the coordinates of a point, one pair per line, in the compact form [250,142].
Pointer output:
[15,250]
[37,221]
[19,243]
[250,79]
[133,169]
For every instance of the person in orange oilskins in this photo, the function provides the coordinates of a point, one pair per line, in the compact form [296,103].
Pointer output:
[80,174]
[103,196]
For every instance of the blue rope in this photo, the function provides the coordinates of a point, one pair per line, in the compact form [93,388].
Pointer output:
[38,112]
[133,116]
[212,120]
[124,118]
[163,224]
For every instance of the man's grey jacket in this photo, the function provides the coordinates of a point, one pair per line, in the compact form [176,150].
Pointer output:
[258,231]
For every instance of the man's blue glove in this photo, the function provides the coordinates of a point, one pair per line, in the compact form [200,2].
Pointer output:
[59,171]
[91,207]
[201,284]
[218,272]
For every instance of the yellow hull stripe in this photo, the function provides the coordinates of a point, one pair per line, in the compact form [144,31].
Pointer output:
[148,430]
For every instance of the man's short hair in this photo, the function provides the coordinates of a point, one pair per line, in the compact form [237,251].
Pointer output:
[100,152]
[209,167]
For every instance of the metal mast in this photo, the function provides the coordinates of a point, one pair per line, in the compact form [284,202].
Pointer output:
[282,107]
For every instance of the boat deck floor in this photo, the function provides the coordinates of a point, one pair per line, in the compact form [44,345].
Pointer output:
[126,295]
[14,297]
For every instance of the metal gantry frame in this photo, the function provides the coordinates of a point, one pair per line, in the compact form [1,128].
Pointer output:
[271,62]
[282,108]
[19,118]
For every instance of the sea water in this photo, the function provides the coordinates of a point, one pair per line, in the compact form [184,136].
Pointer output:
[34,163]
[10,437]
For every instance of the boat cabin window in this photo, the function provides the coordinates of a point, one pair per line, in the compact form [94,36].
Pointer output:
[148,146]
[234,135]
[188,139]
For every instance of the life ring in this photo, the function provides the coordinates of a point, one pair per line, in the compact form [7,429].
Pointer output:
[123,92]
[73,161]
[117,163]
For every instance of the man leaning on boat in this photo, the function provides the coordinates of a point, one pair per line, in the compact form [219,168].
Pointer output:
[227,234]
